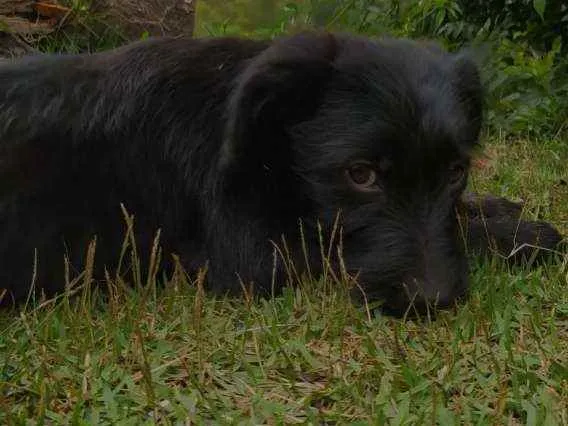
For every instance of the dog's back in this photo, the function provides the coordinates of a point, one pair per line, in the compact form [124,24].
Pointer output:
[80,134]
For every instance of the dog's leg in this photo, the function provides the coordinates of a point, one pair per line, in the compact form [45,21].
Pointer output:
[493,225]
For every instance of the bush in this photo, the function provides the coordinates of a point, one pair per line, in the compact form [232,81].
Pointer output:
[538,22]
[527,93]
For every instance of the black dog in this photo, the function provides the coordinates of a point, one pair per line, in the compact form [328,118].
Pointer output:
[226,144]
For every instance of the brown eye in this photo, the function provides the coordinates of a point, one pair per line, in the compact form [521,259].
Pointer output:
[456,173]
[362,177]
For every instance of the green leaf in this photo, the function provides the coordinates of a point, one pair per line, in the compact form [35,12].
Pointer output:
[540,6]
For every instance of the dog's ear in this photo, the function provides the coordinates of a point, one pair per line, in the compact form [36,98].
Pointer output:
[470,92]
[280,86]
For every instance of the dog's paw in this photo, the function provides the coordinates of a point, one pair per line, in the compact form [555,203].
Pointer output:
[489,206]
[518,241]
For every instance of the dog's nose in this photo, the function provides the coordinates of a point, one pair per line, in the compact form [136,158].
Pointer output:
[433,292]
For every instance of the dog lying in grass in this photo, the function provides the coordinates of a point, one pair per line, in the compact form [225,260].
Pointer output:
[232,146]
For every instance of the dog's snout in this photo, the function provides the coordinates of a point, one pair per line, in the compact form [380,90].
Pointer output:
[434,292]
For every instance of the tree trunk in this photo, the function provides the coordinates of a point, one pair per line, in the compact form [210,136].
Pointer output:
[153,17]
[23,22]
[11,7]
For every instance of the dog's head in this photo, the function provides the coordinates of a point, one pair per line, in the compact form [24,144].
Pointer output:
[379,132]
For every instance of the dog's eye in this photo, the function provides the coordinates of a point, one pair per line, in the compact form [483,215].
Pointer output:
[362,177]
[456,173]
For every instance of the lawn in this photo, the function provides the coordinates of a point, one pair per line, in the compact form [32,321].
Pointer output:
[175,355]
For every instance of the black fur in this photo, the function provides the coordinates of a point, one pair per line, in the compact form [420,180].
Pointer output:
[493,226]
[225,144]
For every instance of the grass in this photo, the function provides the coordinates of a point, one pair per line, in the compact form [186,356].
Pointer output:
[532,170]
[177,356]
